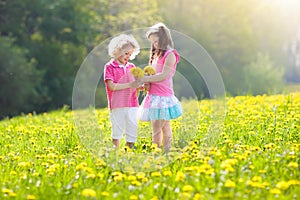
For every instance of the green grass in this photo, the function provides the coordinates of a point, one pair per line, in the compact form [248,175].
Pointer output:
[293,88]
[248,149]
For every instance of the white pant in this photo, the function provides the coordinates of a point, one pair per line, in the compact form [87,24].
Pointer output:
[124,119]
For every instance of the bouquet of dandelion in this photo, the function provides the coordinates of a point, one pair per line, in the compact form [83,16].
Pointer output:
[137,73]
[148,70]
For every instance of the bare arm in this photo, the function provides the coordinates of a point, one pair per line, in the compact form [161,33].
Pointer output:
[122,86]
[167,69]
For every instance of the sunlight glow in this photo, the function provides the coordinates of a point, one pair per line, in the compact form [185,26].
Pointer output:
[286,4]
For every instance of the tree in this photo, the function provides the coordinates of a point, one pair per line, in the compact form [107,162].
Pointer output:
[222,28]
[59,34]
[19,79]
[262,76]
[55,34]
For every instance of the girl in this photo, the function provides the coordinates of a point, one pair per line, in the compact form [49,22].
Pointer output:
[121,89]
[160,105]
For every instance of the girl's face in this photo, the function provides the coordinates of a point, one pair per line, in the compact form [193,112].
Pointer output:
[154,40]
[125,55]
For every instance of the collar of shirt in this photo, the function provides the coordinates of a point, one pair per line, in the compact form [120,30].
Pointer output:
[116,64]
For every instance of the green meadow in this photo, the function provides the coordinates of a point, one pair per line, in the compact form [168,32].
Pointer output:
[244,147]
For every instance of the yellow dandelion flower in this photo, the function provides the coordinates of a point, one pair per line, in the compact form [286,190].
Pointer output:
[257,179]
[24,164]
[140,175]
[231,161]
[88,169]
[137,72]
[104,193]
[264,185]
[210,171]
[17,158]
[242,157]
[11,154]
[131,178]
[136,183]
[127,149]
[35,174]
[31,197]
[154,146]
[81,166]
[188,188]
[282,185]
[133,197]
[100,175]
[51,156]
[145,179]
[227,167]
[241,180]
[118,178]
[149,70]
[12,173]
[12,194]
[230,184]
[293,165]
[294,182]
[117,173]
[91,176]
[167,173]
[23,176]
[190,169]
[154,198]
[270,146]
[88,193]
[100,163]
[6,191]
[197,196]
[179,176]
[262,171]
[251,167]
[155,174]
[185,195]
[51,149]
[275,191]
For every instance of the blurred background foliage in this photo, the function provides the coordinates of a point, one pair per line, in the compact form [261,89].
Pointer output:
[254,43]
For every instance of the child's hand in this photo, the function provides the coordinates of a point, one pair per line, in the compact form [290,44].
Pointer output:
[147,86]
[135,84]
[141,80]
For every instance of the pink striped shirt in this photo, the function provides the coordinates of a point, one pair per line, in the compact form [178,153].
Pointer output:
[164,87]
[120,74]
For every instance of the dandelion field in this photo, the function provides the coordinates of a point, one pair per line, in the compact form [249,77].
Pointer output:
[251,152]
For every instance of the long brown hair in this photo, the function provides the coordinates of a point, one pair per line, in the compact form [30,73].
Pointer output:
[164,40]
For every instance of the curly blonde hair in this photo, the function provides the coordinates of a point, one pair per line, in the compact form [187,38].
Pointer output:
[119,44]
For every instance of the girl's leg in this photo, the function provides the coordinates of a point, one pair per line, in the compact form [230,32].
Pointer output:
[167,135]
[157,132]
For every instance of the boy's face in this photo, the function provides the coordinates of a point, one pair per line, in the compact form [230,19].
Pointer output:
[125,55]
